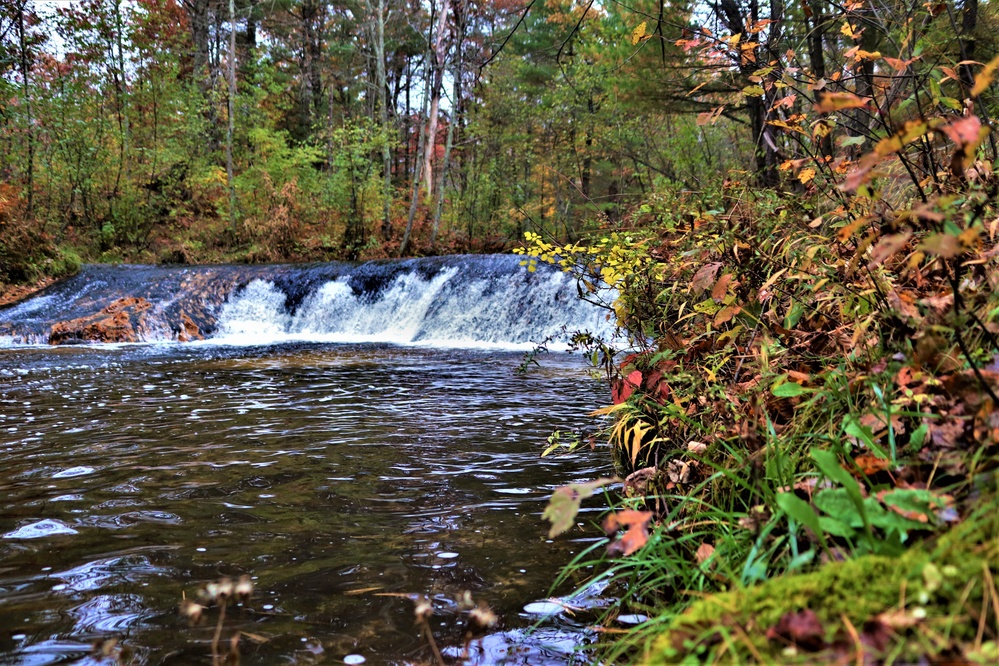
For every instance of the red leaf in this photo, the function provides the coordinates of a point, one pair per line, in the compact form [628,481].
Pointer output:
[621,390]
[802,629]
[964,131]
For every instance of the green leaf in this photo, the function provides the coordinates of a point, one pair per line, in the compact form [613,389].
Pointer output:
[753,91]
[853,428]
[837,503]
[828,464]
[564,504]
[800,510]
[837,527]
[918,436]
[889,520]
[788,390]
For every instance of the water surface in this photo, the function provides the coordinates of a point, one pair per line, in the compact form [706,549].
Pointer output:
[332,474]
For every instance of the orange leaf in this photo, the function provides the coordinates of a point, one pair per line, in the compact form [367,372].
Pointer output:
[871,464]
[635,524]
[721,287]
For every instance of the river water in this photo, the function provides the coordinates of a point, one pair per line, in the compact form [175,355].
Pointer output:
[344,479]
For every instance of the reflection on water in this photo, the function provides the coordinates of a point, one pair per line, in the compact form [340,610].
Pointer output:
[336,476]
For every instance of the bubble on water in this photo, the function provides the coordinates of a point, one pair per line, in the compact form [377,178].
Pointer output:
[41,529]
[447,555]
[73,471]
[543,608]
[354,659]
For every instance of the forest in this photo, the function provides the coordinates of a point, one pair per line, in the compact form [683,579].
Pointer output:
[789,207]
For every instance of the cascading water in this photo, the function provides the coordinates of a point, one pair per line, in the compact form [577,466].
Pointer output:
[458,301]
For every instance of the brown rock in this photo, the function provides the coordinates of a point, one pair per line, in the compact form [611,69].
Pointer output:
[122,321]
[188,329]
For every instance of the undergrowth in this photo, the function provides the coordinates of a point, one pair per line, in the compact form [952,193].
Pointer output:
[807,428]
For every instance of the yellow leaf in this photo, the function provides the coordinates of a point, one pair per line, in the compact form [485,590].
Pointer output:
[848,30]
[806,175]
[985,77]
[837,101]
[638,33]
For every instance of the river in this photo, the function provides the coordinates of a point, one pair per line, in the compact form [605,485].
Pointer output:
[343,476]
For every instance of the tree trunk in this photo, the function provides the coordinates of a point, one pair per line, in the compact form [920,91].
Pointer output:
[383,103]
[455,119]
[421,147]
[232,118]
[437,57]
[817,59]
[22,41]
[969,19]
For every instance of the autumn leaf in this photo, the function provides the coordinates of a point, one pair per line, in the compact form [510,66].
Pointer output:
[721,288]
[725,315]
[912,131]
[942,245]
[887,247]
[985,77]
[837,101]
[704,551]
[622,389]
[869,463]
[636,526]
[806,176]
[704,277]
[638,34]
[965,131]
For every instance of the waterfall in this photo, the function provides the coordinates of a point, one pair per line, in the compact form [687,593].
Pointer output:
[456,301]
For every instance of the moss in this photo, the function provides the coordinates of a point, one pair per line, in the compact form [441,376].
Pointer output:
[943,582]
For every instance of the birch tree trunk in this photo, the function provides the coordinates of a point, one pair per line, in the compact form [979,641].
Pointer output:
[383,102]
[438,56]
[455,119]
[421,147]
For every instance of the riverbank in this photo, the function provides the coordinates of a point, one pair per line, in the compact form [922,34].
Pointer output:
[809,433]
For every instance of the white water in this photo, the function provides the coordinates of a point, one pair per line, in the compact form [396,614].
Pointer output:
[456,302]
[448,310]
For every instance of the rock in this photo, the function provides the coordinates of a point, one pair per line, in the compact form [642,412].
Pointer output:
[188,329]
[124,320]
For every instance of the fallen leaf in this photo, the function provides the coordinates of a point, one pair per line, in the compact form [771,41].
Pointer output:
[871,464]
[802,629]
[704,551]
[704,277]
[721,287]
[887,247]
[636,535]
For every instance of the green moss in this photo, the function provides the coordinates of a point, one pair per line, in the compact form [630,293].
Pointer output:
[942,583]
